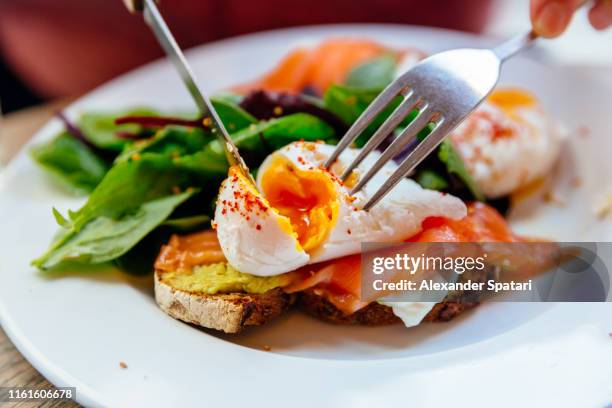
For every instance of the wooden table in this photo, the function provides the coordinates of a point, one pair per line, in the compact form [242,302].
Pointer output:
[15,371]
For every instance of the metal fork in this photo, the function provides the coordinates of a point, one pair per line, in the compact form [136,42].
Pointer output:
[444,88]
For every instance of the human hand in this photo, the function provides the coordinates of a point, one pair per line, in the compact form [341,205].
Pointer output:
[550,18]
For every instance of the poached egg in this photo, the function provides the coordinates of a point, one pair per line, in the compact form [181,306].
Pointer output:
[305,213]
[508,142]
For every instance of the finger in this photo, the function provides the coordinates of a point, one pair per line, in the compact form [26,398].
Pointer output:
[600,15]
[550,18]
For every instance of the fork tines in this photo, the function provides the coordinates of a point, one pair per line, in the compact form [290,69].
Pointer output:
[425,117]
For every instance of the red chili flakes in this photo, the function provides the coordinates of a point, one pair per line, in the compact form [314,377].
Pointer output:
[501,132]
[258,227]
[301,160]
[224,211]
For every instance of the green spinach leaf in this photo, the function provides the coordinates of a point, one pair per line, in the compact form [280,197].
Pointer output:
[128,185]
[174,141]
[348,104]
[100,129]
[233,116]
[71,162]
[431,180]
[454,165]
[259,140]
[376,73]
[106,238]
[187,223]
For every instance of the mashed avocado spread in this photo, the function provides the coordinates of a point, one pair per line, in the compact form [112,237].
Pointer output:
[217,278]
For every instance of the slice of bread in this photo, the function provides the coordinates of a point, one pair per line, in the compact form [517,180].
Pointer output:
[226,312]
[232,312]
[376,314]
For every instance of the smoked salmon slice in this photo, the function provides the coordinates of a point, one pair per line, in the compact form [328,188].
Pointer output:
[317,68]
[339,280]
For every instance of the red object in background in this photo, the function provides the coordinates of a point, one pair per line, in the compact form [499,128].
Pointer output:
[66,47]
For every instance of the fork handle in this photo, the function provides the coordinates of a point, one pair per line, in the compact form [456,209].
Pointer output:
[508,48]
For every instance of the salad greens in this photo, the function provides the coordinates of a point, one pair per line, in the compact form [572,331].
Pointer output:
[172,140]
[71,162]
[100,129]
[348,103]
[187,223]
[431,180]
[106,238]
[373,74]
[455,166]
[153,177]
[149,174]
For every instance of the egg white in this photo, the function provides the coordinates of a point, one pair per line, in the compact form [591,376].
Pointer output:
[254,238]
[500,165]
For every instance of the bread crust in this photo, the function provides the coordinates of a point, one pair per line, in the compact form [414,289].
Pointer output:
[376,314]
[232,312]
[226,312]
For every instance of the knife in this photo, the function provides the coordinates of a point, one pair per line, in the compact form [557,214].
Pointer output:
[211,120]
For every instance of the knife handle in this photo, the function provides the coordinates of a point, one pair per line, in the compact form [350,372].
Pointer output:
[135,6]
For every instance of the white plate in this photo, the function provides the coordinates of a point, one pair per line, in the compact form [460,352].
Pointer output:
[76,328]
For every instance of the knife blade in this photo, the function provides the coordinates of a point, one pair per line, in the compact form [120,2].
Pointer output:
[211,119]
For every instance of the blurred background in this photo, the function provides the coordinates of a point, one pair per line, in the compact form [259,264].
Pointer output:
[54,51]
[60,48]
[63,48]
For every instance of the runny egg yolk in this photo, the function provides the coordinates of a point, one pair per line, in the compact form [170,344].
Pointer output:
[307,197]
[508,99]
